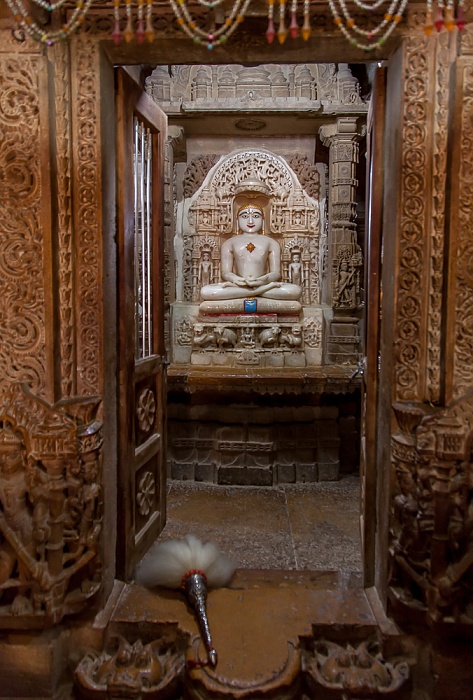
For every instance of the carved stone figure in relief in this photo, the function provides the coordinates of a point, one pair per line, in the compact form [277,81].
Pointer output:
[345,284]
[296,270]
[205,269]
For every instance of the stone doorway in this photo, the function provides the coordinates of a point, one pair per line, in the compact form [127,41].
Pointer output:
[305,429]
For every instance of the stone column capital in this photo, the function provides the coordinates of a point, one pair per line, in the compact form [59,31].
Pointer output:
[177,141]
[343,129]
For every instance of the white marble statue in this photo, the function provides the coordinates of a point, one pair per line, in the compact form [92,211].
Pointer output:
[250,267]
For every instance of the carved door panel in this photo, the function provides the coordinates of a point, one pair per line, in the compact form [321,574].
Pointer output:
[141,136]
[374,189]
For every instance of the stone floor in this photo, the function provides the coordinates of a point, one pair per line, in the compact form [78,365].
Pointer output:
[294,527]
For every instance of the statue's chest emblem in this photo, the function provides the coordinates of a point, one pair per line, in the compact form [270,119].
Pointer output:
[250,247]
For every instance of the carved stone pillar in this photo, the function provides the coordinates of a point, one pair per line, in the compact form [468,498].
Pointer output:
[175,152]
[342,286]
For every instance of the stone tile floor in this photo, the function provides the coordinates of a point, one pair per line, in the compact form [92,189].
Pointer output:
[292,527]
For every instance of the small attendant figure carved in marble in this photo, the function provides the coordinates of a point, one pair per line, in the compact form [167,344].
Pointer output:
[205,269]
[250,263]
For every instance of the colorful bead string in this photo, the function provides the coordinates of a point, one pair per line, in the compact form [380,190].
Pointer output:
[213,38]
[347,24]
[28,24]
[445,16]
[293,29]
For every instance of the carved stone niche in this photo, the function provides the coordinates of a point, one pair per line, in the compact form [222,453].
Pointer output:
[51,508]
[257,332]
[431,533]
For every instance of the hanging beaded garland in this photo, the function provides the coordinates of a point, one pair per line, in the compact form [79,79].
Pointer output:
[374,37]
[445,16]
[144,24]
[212,38]
[293,26]
[28,24]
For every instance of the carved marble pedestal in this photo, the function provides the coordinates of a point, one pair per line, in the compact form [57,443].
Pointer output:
[262,340]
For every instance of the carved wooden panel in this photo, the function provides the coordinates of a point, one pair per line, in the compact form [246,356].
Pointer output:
[443,60]
[149,671]
[51,508]
[22,304]
[460,339]
[432,512]
[62,101]
[87,211]
[413,235]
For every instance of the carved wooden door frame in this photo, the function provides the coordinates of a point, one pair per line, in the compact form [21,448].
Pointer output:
[141,380]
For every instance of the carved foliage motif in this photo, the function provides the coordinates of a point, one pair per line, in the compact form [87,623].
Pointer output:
[134,670]
[22,313]
[86,72]
[312,330]
[442,75]
[356,670]
[463,357]
[432,511]
[412,224]
[307,174]
[243,165]
[146,493]
[51,507]
[196,172]
[64,195]
[145,410]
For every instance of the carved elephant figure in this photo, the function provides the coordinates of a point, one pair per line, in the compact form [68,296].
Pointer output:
[225,337]
[203,338]
[269,336]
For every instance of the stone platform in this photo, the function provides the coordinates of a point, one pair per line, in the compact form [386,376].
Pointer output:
[261,427]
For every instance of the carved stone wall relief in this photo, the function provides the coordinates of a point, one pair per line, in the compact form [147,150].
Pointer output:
[196,173]
[298,87]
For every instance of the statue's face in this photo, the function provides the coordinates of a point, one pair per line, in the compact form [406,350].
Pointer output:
[250,220]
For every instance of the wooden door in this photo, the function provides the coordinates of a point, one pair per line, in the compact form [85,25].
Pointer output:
[373,239]
[141,136]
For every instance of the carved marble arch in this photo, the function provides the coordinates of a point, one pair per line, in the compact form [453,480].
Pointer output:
[294,218]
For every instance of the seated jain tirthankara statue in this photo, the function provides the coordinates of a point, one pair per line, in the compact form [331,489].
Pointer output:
[250,267]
